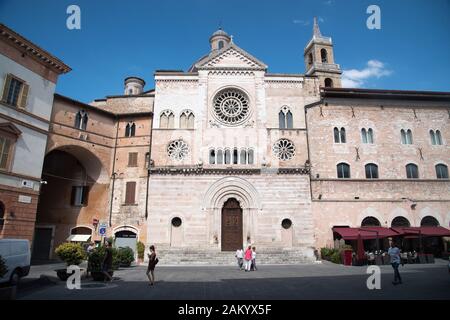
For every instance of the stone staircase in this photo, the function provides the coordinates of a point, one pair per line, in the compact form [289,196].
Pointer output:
[198,257]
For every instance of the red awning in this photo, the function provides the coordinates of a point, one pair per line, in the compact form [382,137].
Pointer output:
[424,231]
[365,232]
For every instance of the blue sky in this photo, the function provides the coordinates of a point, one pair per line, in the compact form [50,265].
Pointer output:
[117,39]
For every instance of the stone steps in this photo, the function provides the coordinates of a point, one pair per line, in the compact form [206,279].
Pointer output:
[208,257]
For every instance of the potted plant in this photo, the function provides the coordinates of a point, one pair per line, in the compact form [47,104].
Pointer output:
[140,252]
[125,256]
[95,262]
[72,254]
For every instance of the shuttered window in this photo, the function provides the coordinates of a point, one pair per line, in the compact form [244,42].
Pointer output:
[15,92]
[132,159]
[130,193]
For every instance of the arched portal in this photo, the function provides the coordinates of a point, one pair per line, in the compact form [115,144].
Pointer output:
[232,237]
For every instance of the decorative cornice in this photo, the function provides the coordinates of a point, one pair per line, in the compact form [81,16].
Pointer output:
[198,170]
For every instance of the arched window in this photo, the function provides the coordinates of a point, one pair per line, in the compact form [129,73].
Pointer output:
[436,138]
[441,171]
[370,222]
[250,156]
[429,221]
[371,171]
[2,215]
[367,135]
[343,170]
[406,136]
[219,156]
[399,222]
[324,55]
[167,120]
[212,156]
[310,59]
[243,156]
[220,45]
[235,156]
[364,135]
[328,83]
[412,171]
[285,118]
[130,129]
[81,120]
[187,119]
[339,135]
[227,156]
[370,136]
[403,136]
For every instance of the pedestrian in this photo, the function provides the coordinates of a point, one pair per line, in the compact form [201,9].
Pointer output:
[394,253]
[240,257]
[152,261]
[90,248]
[248,258]
[254,259]
[107,262]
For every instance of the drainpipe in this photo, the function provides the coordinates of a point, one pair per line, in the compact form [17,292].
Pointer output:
[149,167]
[113,174]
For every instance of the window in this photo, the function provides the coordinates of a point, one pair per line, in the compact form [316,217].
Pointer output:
[81,120]
[371,171]
[436,138]
[5,152]
[147,160]
[343,171]
[250,156]
[285,118]
[219,157]
[130,192]
[178,150]
[412,171]
[310,59]
[231,107]
[406,136]
[130,129]
[367,135]
[328,83]
[220,45]
[400,222]
[212,156]
[227,156]
[176,222]
[243,157]
[235,156]
[370,222]
[324,55]
[286,223]
[429,221]
[132,159]
[339,135]
[284,149]
[167,120]
[15,92]
[187,120]
[79,196]
[441,171]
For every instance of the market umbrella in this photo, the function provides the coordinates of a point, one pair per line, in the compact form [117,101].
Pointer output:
[360,248]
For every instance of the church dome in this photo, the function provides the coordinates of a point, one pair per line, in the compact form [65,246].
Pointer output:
[219,39]
[220,32]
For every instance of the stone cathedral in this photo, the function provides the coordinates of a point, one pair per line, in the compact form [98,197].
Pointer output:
[227,154]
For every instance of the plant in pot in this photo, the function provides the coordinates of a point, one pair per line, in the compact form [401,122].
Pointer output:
[72,254]
[140,251]
[95,262]
[125,256]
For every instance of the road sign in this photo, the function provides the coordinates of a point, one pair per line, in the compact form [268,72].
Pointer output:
[102,230]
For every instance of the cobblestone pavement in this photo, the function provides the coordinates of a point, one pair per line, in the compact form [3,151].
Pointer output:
[314,281]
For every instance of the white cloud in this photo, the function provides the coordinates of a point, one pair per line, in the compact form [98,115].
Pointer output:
[354,78]
[329,2]
[302,22]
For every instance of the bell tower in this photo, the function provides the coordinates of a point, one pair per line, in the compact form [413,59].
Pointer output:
[319,59]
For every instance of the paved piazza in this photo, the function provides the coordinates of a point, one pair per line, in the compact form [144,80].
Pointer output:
[313,281]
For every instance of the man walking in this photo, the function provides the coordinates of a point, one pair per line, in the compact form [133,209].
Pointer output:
[240,257]
[394,253]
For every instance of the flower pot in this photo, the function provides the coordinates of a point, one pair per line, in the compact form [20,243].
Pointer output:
[8,293]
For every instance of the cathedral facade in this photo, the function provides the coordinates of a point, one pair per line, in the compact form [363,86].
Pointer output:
[227,154]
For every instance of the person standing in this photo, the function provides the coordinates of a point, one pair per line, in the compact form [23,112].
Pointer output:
[240,258]
[108,262]
[152,261]
[248,258]
[254,259]
[394,253]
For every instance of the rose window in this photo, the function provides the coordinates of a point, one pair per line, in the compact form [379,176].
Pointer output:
[178,150]
[231,106]
[284,149]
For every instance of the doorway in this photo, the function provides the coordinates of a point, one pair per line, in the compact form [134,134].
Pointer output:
[232,237]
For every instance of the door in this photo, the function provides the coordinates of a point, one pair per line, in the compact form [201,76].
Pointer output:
[126,239]
[232,238]
[42,243]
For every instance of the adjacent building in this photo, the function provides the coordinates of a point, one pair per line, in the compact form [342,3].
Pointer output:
[28,76]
